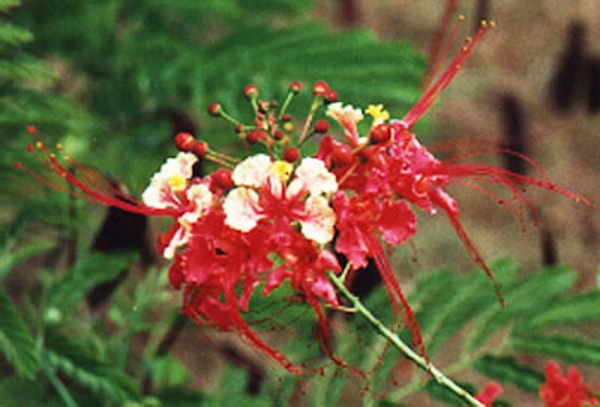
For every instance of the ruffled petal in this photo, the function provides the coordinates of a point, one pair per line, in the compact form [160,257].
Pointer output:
[315,177]
[169,180]
[240,209]
[253,171]
[318,220]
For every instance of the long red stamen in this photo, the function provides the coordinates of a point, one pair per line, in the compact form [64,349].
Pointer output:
[431,95]
[326,342]
[508,178]
[89,185]
[438,49]
[395,293]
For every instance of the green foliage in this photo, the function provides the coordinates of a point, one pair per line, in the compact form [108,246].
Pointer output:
[16,341]
[568,348]
[452,305]
[99,376]
[90,270]
[108,80]
[508,370]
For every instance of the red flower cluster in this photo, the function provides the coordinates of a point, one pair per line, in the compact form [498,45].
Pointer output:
[276,217]
[566,391]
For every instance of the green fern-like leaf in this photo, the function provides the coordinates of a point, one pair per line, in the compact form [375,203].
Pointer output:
[16,341]
[523,297]
[579,309]
[508,370]
[91,270]
[86,369]
[573,350]
[10,34]
[12,256]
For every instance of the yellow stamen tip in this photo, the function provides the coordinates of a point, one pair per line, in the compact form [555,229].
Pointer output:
[177,183]
[283,170]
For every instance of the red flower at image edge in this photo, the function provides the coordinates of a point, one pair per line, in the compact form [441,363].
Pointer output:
[489,393]
[566,391]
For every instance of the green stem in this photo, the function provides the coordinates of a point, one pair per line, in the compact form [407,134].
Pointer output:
[286,103]
[399,344]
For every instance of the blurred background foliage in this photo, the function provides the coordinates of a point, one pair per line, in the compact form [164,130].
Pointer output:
[86,317]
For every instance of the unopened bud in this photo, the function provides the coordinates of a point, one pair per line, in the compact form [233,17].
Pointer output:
[331,96]
[254,136]
[214,109]
[381,133]
[184,141]
[222,178]
[291,154]
[250,91]
[295,87]
[200,148]
[321,89]
[322,126]
[341,155]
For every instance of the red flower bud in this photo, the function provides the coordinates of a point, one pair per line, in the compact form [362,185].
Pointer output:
[184,141]
[254,136]
[286,117]
[321,89]
[322,126]
[239,128]
[291,154]
[31,129]
[214,109]
[278,135]
[200,148]
[295,87]
[222,178]
[341,155]
[331,96]
[250,90]
[381,133]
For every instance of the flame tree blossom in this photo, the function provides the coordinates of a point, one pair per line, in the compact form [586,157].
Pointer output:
[280,217]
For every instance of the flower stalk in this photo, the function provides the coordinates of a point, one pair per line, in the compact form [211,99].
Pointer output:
[399,344]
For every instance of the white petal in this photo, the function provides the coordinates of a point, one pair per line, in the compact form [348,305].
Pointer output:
[253,171]
[240,209]
[201,198]
[172,176]
[344,115]
[179,239]
[315,177]
[318,220]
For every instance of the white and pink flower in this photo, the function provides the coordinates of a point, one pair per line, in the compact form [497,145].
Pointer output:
[263,193]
